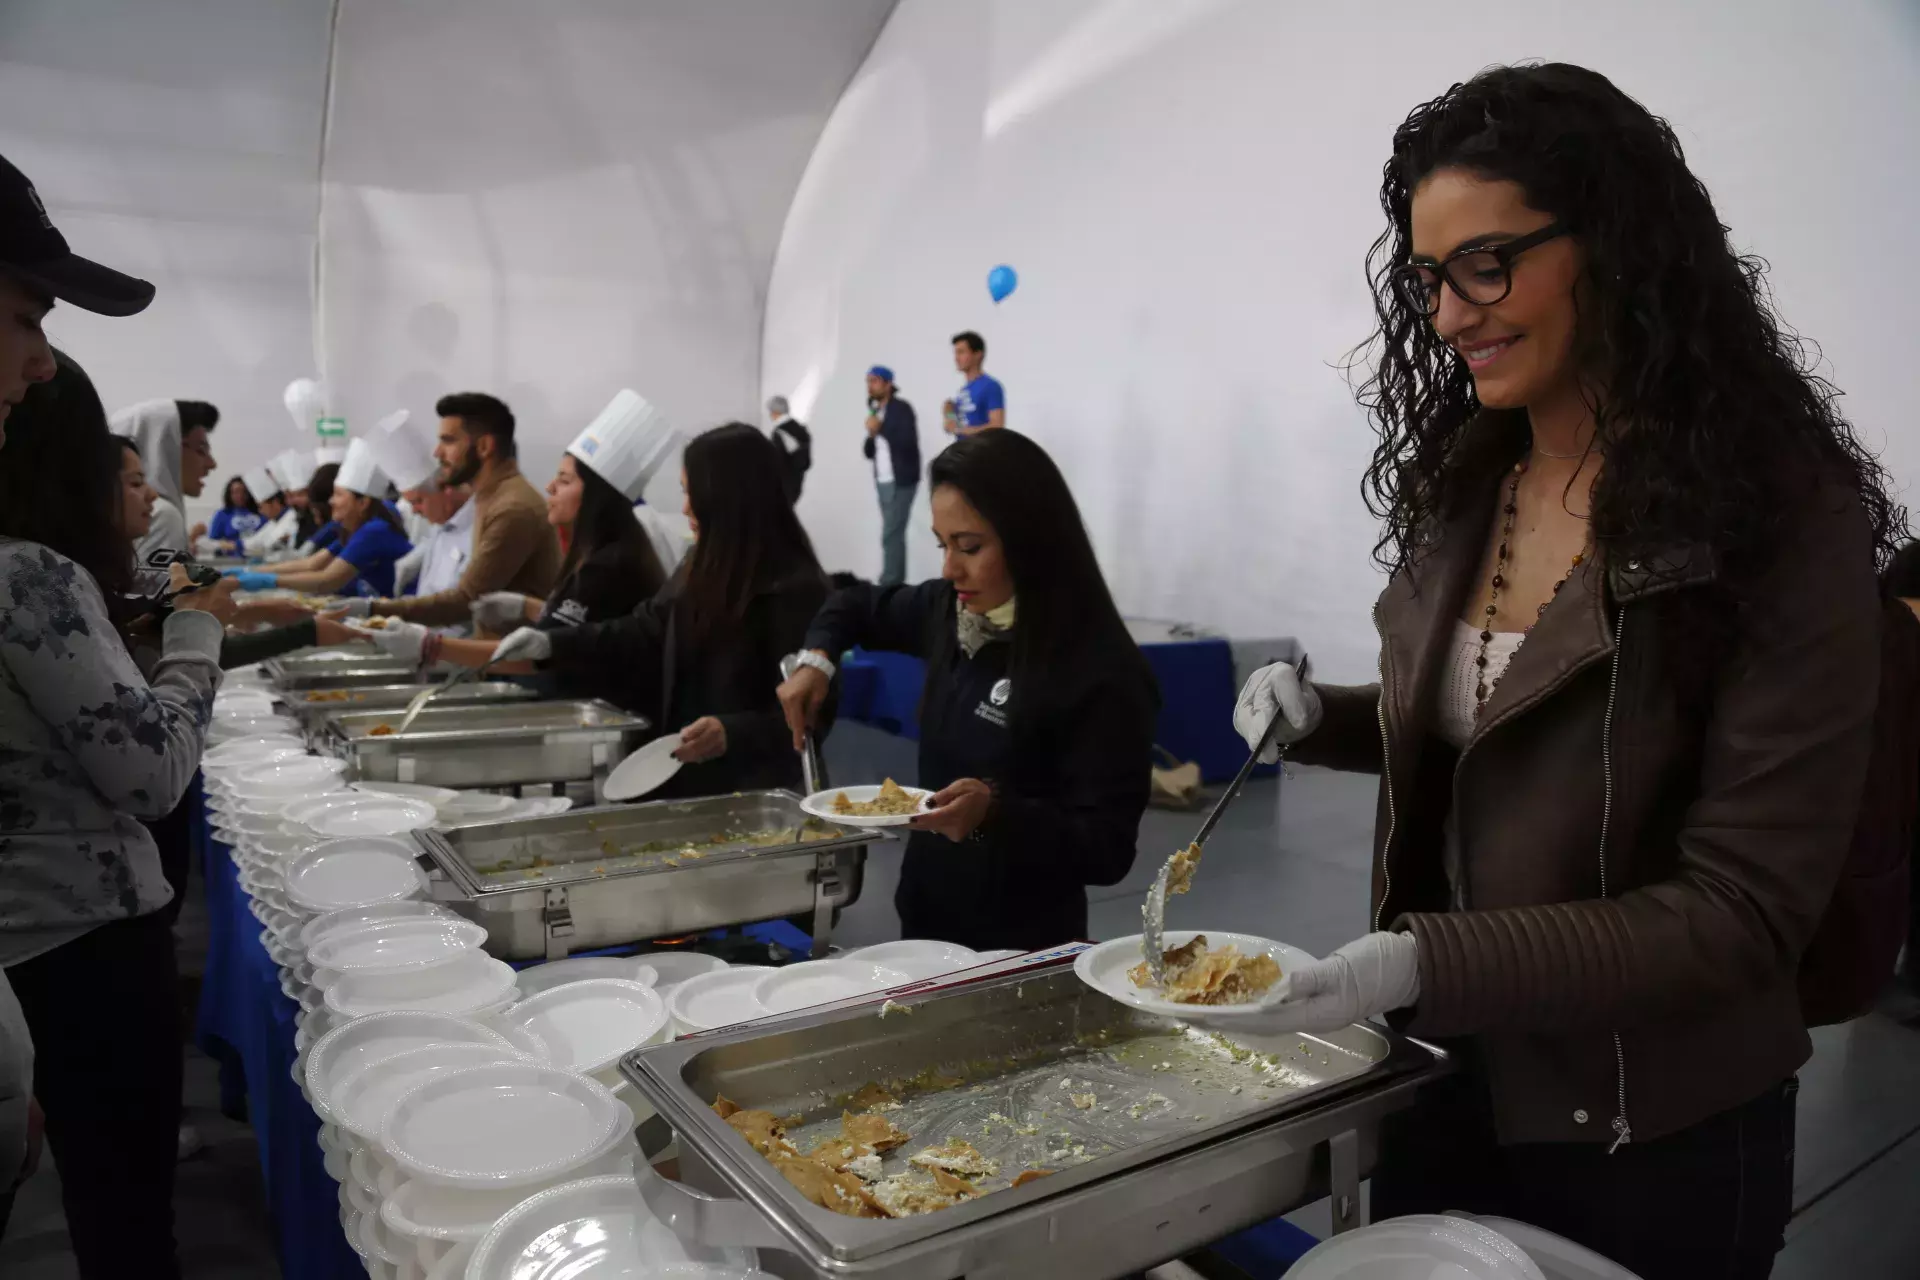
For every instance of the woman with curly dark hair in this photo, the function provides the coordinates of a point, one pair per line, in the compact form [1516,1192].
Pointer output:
[1629,668]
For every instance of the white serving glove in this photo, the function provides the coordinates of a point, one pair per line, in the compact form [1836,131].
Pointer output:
[354,607]
[528,642]
[401,640]
[1273,691]
[1369,976]
[499,611]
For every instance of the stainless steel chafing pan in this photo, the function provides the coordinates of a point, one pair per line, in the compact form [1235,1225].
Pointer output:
[1191,1136]
[599,876]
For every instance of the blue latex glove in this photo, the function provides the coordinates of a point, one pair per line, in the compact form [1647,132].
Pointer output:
[233,572]
[251,581]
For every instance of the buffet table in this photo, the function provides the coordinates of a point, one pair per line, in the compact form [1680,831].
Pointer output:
[246,1024]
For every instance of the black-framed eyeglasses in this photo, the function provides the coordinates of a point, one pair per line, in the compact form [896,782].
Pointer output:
[1482,275]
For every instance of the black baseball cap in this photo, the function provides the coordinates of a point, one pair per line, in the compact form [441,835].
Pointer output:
[33,250]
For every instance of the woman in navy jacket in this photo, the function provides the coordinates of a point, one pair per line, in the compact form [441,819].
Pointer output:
[1036,724]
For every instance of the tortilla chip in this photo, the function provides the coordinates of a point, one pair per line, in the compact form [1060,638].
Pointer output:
[875,1132]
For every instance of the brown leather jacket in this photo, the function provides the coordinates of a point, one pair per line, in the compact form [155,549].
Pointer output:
[1642,869]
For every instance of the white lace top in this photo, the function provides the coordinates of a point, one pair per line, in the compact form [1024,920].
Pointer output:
[1455,712]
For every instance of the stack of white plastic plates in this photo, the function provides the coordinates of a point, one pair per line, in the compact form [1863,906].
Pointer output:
[919,959]
[671,968]
[717,999]
[353,873]
[362,1100]
[817,982]
[557,973]
[422,1210]
[350,1049]
[350,919]
[397,946]
[501,1125]
[359,813]
[474,984]
[597,1227]
[1418,1248]
[587,1026]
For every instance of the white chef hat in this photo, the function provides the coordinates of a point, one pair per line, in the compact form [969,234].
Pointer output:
[260,483]
[361,472]
[329,453]
[403,450]
[294,470]
[626,444]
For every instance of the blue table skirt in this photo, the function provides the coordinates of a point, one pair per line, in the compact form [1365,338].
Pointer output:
[246,1024]
[1197,692]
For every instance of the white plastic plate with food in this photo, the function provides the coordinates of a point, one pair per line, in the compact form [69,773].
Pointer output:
[886,805]
[1218,987]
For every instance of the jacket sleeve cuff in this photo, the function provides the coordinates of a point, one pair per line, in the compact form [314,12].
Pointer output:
[192,633]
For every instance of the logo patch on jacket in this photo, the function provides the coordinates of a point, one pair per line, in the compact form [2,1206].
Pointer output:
[571,612]
[992,710]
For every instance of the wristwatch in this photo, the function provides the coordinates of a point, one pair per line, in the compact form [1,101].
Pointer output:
[818,661]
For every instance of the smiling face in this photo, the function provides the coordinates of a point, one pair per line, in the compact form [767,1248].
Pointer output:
[973,558]
[564,493]
[349,508]
[1519,350]
[25,356]
[136,497]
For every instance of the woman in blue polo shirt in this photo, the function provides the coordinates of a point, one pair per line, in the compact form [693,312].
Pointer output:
[370,541]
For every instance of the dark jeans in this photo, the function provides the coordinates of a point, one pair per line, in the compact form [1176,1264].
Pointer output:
[104,1010]
[1709,1201]
[896,504]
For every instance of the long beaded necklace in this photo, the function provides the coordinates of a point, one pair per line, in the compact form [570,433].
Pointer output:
[1481,689]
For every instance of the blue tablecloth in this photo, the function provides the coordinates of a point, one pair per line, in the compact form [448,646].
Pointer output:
[246,1024]
[1197,692]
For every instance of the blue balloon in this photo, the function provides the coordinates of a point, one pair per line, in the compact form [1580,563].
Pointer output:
[1001,281]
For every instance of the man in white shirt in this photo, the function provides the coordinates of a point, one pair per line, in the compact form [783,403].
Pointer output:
[442,555]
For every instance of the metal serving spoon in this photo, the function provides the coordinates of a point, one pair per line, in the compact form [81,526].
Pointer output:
[1153,914]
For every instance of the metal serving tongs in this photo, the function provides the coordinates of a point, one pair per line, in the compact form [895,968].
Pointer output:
[813,769]
[1153,913]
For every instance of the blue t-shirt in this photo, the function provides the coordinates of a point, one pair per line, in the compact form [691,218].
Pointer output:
[230,524]
[976,400]
[327,536]
[372,550]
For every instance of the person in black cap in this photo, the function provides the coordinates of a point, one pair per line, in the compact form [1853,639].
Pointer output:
[893,446]
[36,267]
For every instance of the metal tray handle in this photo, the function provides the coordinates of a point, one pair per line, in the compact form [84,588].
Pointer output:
[692,1215]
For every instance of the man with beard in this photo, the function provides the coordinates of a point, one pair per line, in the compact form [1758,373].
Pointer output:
[514,548]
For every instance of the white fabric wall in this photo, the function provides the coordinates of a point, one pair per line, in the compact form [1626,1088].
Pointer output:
[552,201]
[179,140]
[1188,191]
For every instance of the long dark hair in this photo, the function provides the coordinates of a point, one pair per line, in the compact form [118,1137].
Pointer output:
[320,491]
[1066,611]
[1712,422]
[249,501]
[58,432]
[606,519]
[749,537]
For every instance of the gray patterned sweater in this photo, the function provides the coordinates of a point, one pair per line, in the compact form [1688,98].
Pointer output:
[87,747]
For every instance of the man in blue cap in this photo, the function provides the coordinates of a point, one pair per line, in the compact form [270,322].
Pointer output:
[893,443]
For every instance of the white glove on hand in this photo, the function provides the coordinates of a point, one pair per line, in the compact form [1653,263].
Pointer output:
[400,640]
[1273,691]
[354,607]
[527,642]
[1369,976]
[499,611]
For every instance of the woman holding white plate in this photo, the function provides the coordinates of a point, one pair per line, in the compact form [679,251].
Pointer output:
[1036,726]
